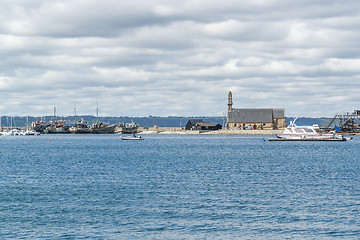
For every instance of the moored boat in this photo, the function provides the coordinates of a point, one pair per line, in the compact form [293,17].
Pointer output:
[128,128]
[80,127]
[29,132]
[103,128]
[307,133]
[39,126]
[18,132]
[57,127]
[133,137]
[13,132]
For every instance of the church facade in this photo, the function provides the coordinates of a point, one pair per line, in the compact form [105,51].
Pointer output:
[254,118]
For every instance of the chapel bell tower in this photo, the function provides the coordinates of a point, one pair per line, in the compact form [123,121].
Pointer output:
[230,103]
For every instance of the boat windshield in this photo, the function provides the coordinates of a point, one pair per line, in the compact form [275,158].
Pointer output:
[298,130]
[308,130]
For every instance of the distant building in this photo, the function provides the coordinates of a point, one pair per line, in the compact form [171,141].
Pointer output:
[254,118]
[205,126]
[191,123]
[199,125]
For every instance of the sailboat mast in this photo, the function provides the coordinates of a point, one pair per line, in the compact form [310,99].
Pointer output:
[54,114]
[97,112]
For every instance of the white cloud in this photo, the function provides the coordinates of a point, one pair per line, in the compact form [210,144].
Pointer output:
[343,65]
[168,57]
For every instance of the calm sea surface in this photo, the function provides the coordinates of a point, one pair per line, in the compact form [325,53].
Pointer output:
[178,187]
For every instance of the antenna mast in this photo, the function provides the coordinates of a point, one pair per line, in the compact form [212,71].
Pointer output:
[97,112]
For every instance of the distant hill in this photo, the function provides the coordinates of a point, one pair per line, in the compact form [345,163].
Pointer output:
[309,121]
[150,121]
[171,121]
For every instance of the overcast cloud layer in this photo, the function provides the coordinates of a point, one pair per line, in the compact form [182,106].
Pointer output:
[162,58]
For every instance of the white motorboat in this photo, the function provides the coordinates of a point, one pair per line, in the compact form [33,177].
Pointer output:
[30,132]
[17,132]
[13,132]
[133,137]
[307,133]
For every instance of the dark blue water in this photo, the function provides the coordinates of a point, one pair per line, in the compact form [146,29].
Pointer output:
[177,187]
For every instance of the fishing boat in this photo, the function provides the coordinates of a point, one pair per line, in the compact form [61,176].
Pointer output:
[133,137]
[127,128]
[307,133]
[103,128]
[39,126]
[57,127]
[80,127]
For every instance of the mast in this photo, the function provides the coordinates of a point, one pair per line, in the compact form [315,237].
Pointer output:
[224,116]
[97,112]
[54,114]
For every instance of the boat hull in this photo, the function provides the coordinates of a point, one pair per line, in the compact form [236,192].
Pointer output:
[323,137]
[307,133]
[131,138]
[80,131]
[103,129]
[309,139]
[306,136]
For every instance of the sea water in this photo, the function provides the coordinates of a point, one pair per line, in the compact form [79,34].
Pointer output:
[178,187]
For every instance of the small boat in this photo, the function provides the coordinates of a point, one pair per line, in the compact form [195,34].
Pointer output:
[307,133]
[13,132]
[133,137]
[3,133]
[29,133]
[17,132]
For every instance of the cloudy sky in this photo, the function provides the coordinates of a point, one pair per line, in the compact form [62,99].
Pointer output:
[178,58]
